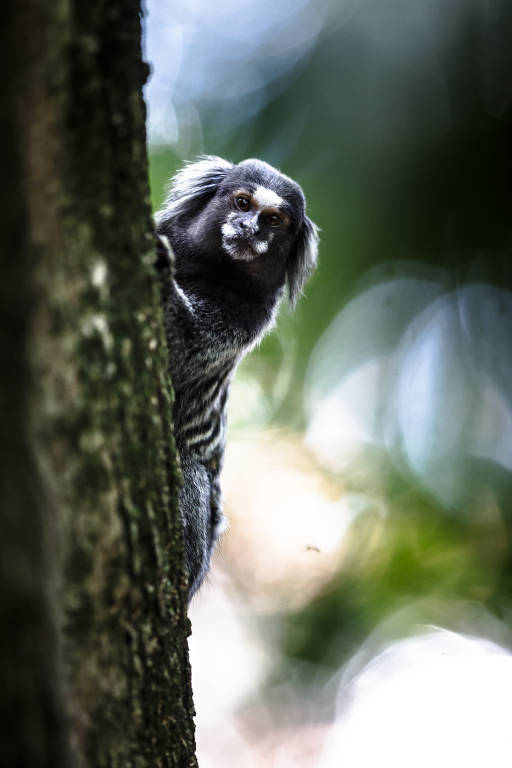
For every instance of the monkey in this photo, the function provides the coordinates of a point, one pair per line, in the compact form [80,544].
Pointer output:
[229,238]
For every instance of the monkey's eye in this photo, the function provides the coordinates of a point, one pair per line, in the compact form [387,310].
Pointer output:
[274,220]
[242,203]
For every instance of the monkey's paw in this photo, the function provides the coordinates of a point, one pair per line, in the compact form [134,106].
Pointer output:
[165,258]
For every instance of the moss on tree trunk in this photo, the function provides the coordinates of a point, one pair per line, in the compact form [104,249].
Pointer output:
[94,590]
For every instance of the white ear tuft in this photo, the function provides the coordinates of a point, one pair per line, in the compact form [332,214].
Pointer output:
[302,260]
[191,185]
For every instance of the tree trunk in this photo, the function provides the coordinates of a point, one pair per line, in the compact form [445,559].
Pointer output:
[94,631]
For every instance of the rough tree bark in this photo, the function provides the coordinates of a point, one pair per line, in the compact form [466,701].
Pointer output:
[93,631]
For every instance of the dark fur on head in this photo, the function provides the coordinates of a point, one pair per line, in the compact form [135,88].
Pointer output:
[230,237]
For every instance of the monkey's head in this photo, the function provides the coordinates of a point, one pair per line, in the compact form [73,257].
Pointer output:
[248,216]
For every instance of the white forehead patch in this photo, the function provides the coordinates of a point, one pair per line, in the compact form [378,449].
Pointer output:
[266,198]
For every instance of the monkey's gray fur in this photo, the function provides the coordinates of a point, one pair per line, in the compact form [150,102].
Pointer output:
[229,238]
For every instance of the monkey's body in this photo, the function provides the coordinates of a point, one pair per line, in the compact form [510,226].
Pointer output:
[204,356]
[222,283]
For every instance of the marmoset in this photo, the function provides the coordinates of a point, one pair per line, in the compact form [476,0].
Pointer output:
[230,237]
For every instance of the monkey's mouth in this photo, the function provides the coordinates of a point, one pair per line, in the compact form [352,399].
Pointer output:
[243,248]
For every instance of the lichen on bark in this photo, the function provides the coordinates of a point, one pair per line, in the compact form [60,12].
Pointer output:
[98,407]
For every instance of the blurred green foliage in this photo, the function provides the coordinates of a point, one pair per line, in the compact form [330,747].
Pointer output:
[415,557]
[401,145]
[399,133]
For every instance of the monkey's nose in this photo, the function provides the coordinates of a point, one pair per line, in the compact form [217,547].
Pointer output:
[249,225]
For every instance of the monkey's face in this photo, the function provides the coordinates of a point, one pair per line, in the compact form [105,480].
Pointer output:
[257,217]
[263,209]
[254,213]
